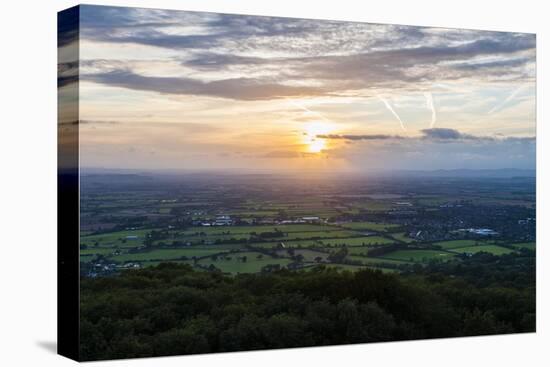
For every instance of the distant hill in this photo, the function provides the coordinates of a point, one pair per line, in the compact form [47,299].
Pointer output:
[488,173]
[140,174]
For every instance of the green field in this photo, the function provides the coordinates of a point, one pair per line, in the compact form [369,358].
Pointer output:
[493,249]
[402,237]
[448,245]
[433,201]
[289,244]
[314,242]
[418,255]
[527,245]
[255,213]
[287,228]
[358,250]
[116,238]
[166,254]
[324,242]
[155,263]
[377,261]
[87,258]
[357,241]
[221,234]
[365,226]
[309,255]
[372,205]
[196,239]
[202,235]
[97,251]
[324,234]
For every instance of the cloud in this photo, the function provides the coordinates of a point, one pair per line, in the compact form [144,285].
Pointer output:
[281,154]
[155,27]
[431,107]
[144,127]
[359,137]
[288,154]
[434,134]
[65,80]
[394,68]
[442,133]
[521,139]
[433,149]
[340,56]
[98,122]
[452,134]
[512,95]
[498,64]
[67,26]
[67,73]
[401,67]
[71,123]
[248,89]
[149,27]
[390,108]
[304,108]
[215,61]
[249,58]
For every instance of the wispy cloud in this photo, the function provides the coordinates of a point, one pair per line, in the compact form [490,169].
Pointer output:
[369,55]
[508,99]
[302,107]
[390,108]
[359,137]
[431,107]
[235,88]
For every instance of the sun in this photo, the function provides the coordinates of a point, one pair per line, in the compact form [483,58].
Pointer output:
[313,130]
[316,145]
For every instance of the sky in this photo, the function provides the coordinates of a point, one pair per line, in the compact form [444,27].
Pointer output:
[184,90]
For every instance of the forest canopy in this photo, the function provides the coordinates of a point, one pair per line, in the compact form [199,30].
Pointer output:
[172,309]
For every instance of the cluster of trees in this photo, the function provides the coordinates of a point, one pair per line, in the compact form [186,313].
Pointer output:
[338,256]
[173,309]
[379,251]
[276,233]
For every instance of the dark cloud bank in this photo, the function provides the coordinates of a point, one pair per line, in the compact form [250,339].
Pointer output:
[434,134]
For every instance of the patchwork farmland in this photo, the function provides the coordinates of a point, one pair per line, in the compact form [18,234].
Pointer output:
[232,230]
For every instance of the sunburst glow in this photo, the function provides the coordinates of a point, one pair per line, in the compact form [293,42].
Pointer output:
[316,145]
[311,136]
